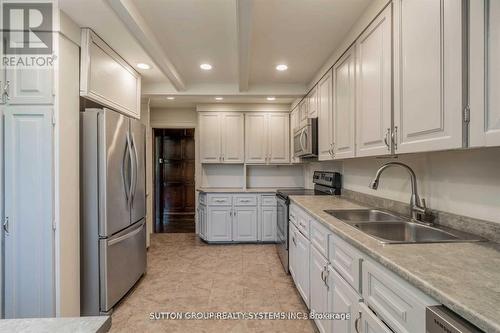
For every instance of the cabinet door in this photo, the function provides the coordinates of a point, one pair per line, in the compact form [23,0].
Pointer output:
[325,117]
[292,251]
[303,111]
[294,124]
[484,71]
[279,138]
[344,106]
[28,236]
[219,224]
[233,138]
[312,100]
[268,224]
[302,268]
[373,87]
[256,129]
[245,224]
[342,299]
[30,86]
[370,323]
[210,137]
[428,75]
[319,289]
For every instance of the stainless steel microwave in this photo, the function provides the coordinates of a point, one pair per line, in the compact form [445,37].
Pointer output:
[305,139]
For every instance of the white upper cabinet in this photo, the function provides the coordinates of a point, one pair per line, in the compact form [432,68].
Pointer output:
[312,107]
[344,106]
[303,106]
[325,117]
[29,86]
[294,124]
[267,138]
[279,138]
[373,87]
[428,75]
[221,137]
[233,147]
[484,73]
[106,78]
[256,138]
[210,138]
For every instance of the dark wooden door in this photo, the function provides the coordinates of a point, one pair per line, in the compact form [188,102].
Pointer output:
[175,180]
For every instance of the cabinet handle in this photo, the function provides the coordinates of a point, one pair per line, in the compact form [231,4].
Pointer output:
[325,280]
[356,322]
[394,137]
[6,225]
[293,240]
[386,140]
[6,89]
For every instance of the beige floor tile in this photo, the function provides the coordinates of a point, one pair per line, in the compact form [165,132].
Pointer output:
[186,274]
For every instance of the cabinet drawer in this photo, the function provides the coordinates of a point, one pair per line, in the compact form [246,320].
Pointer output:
[303,220]
[268,200]
[319,237]
[220,200]
[202,198]
[245,200]
[399,304]
[346,260]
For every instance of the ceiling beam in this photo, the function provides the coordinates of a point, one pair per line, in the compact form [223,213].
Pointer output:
[138,27]
[244,9]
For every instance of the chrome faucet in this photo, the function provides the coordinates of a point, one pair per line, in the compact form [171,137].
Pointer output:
[417,207]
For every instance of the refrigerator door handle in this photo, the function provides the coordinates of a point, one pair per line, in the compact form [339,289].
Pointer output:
[129,147]
[126,236]
[125,176]
[135,167]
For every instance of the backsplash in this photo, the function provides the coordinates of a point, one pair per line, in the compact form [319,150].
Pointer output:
[461,183]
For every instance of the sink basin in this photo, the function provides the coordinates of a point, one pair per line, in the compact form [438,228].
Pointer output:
[389,228]
[364,215]
[405,232]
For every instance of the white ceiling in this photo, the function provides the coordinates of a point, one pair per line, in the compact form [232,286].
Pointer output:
[244,40]
[192,101]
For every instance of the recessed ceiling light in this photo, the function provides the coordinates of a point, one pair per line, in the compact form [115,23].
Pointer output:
[219,98]
[143,66]
[271,98]
[171,97]
[282,67]
[206,67]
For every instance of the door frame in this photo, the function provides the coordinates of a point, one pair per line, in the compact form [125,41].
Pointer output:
[197,165]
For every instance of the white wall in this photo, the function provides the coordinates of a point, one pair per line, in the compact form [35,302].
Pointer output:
[66,173]
[275,176]
[464,182]
[145,119]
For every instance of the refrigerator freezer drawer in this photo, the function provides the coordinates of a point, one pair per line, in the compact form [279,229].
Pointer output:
[122,263]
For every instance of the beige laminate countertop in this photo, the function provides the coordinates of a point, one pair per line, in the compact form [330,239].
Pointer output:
[465,277]
[237,190]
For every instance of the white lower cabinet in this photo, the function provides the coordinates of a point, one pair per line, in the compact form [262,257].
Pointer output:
[342,299]
[237,217]
[219,224]
[370,323]
[300,258]
[268,224]
[245,224]
[330,280]
[318,272]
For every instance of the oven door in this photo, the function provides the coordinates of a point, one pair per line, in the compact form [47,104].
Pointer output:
[302,142]
[282,231]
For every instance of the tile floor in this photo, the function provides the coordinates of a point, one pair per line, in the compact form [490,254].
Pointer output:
[185,274]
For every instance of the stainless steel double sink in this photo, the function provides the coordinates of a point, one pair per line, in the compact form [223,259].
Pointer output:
[389,228]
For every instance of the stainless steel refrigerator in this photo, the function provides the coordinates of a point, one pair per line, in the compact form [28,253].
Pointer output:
[113,208]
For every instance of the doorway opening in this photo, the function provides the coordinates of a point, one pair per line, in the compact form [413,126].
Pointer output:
[174,180]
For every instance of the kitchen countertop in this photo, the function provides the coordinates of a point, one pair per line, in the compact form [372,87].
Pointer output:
[237,190]
[97,324]
[465,277]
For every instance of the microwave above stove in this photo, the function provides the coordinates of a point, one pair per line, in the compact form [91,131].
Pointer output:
[305,139]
